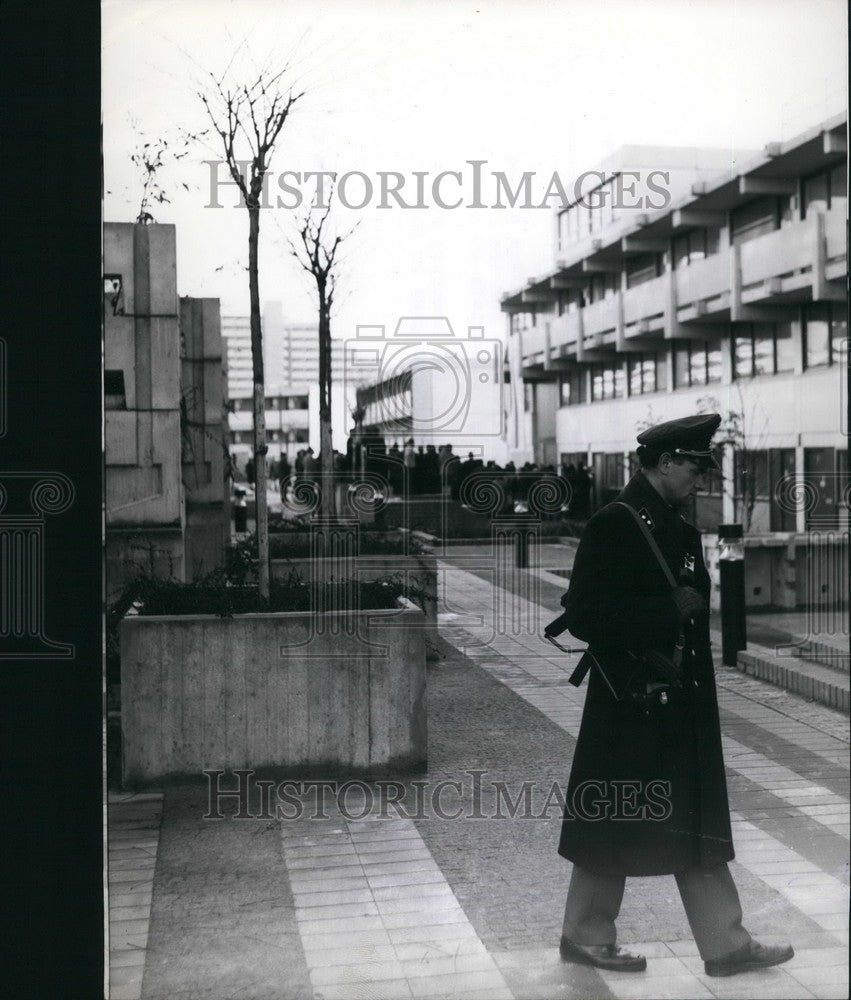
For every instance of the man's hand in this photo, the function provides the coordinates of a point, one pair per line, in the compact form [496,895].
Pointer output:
[689,603]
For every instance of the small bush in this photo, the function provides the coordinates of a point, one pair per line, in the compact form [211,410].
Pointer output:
[170,597]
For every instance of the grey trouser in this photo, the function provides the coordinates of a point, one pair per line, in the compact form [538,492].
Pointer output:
[709,897]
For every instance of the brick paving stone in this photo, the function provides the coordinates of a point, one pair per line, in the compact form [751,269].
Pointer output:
[425,863]
[390,989]
[656,988]
[325,875]
[424,951]
[343,954]
[318,911]
[324,941]
[406,878]
[127,959]
[369,972]
[450,984]
[300,886]
[416,918]
[431,932]
[128,975]
[418,904]
[314,898]
[338,925]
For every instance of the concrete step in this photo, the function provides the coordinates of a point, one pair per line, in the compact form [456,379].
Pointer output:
[814,681]
[821,652]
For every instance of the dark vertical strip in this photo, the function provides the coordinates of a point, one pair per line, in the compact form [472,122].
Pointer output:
[51,307]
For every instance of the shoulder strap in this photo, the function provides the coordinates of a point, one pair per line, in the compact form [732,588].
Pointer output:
[651,542]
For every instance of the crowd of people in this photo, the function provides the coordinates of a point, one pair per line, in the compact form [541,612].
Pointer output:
[407,470]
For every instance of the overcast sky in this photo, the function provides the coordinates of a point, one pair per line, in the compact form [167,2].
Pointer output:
[426,86]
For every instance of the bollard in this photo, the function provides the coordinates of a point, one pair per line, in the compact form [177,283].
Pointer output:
[521,550]
[731,563]
[524,527]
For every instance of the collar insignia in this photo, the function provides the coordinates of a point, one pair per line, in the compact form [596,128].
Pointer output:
[644,514]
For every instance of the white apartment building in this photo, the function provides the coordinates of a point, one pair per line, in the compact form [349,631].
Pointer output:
[731,296]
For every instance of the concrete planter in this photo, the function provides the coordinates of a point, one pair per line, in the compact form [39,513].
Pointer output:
[295,692]
[418,571]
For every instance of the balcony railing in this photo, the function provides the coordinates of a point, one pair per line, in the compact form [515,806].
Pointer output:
[784,251]
[646,300]
[600,316]
[534,338]
[788,250]
[703,279]
[836,233]
[564,329]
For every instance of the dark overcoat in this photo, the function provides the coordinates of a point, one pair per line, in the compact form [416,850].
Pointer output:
[672,813]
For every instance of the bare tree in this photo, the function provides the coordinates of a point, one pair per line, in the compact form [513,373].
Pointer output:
[739,432]
[154,157]
[317,252]
[251,118]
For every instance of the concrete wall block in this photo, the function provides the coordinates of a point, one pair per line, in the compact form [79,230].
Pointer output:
[165,363]
[159,260]
[118,259]
[211,330]
[267,691]
[207,534]
[119,350]
[121,437]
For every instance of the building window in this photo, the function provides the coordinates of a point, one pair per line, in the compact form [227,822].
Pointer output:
[762,215]
[762,349]
[608,381]
[113,294]
[742,348]
[644,267]
[695,245]
[820,468]
[113,390]
[644,373]
[601,286]
[696,362]
[608,476]
[784,348]
[751,474]
[825,331]
[781,463]
[838,188]
[816,193]
[662,371]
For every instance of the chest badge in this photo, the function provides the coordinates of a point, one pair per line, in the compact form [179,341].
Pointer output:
[688,563]
[644,514]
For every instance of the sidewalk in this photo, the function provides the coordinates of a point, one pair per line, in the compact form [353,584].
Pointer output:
[415,905]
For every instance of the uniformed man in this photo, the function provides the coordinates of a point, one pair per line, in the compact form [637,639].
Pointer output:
[647,793]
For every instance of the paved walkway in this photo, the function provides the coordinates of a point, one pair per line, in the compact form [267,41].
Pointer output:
[385,898]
